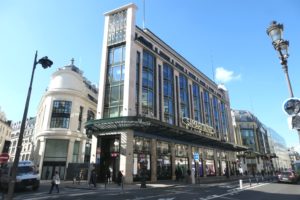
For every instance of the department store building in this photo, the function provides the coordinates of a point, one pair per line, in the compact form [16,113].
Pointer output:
[157,114]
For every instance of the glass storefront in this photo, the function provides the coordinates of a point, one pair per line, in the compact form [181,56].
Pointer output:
[163,163]
[181,161]
[141,158]
[210,163]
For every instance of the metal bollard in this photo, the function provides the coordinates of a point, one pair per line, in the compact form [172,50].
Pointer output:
[250,181]
[241,184]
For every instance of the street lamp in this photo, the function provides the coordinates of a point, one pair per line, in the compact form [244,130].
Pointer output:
[275,31]
[291,106]
[45,62]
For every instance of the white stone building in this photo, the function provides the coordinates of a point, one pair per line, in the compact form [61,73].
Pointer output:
[60,139]
[27,144]
[5,131]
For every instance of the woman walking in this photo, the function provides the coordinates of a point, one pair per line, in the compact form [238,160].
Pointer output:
[55,182]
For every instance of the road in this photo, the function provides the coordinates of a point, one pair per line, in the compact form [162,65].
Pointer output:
[223,191]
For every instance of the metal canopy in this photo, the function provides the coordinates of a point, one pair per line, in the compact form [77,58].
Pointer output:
[158,128]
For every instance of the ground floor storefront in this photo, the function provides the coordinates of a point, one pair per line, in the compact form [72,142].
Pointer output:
[153,154]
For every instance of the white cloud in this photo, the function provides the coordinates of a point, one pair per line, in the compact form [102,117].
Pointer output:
[225,76]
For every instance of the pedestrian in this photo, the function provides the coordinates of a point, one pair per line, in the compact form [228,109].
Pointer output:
[55,182]
[93,179]
[108,175]
[120,177]
[47,174]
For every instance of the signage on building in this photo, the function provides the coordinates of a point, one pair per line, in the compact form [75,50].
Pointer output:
[196,156]
[198,127]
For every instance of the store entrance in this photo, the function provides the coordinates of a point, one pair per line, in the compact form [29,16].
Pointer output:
[109,157]
[50,167]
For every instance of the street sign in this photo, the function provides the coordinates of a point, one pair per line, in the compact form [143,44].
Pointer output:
[291,106]
[196,156]
[4,157]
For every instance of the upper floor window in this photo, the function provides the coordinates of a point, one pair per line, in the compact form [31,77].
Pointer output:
[148,84]
[207,108]
[61,114]
[184,99]
[168,94]
[197,107]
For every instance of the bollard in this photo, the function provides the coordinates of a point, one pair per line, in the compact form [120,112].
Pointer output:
[250,181]
[241,184]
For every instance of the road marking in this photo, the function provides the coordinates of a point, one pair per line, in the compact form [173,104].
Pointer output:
[231,193]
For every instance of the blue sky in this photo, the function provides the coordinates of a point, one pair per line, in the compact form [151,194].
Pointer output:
[227,36]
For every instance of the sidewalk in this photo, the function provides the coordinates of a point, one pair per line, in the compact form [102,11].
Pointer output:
[137,185]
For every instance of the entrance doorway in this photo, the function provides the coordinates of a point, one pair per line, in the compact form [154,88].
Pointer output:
[50,167]
[109,157]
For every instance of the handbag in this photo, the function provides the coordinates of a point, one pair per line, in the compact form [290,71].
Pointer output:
[57,182]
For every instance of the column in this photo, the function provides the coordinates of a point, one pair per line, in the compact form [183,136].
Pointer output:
[126,155]
[70,151]
[153,161]
[173,161]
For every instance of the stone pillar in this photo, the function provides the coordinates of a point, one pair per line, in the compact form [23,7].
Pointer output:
[173,160]
[126,155]
[190,160]
[153,160]
[70,151]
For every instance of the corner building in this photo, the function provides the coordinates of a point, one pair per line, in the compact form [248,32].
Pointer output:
[158,116]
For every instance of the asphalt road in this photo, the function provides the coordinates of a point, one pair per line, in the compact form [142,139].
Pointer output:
[224,191]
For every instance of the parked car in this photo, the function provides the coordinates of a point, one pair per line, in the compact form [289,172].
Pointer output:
[288,177]
[27,175]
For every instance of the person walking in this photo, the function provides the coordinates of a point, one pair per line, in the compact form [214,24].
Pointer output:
[55,182]
[93,178]
[120,177]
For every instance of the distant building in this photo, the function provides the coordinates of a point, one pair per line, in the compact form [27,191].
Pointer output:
[60,137]
[281,160]
[5,131]
[157,114]
[27,144]
[253,134]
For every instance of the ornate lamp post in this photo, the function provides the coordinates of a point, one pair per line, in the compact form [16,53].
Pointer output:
[275,31]
[292,105]
[45,62]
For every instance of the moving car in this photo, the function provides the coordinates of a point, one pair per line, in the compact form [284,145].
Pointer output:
[27,175]
[288,177]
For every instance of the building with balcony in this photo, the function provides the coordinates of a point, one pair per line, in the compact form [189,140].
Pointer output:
[158,115]
[5,132]
[60,137]
[27,144]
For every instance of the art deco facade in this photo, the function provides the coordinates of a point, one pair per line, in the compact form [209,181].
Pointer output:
[157,113]
[60,138]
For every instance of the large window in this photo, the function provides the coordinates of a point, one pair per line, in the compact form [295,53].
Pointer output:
[61,114]
[184,100]
[168,94]
[141,158]
[163,162]
[224,121]
[207,108]
[148,84]
[197,107]
[216,114]
[248,138]
[113,102]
